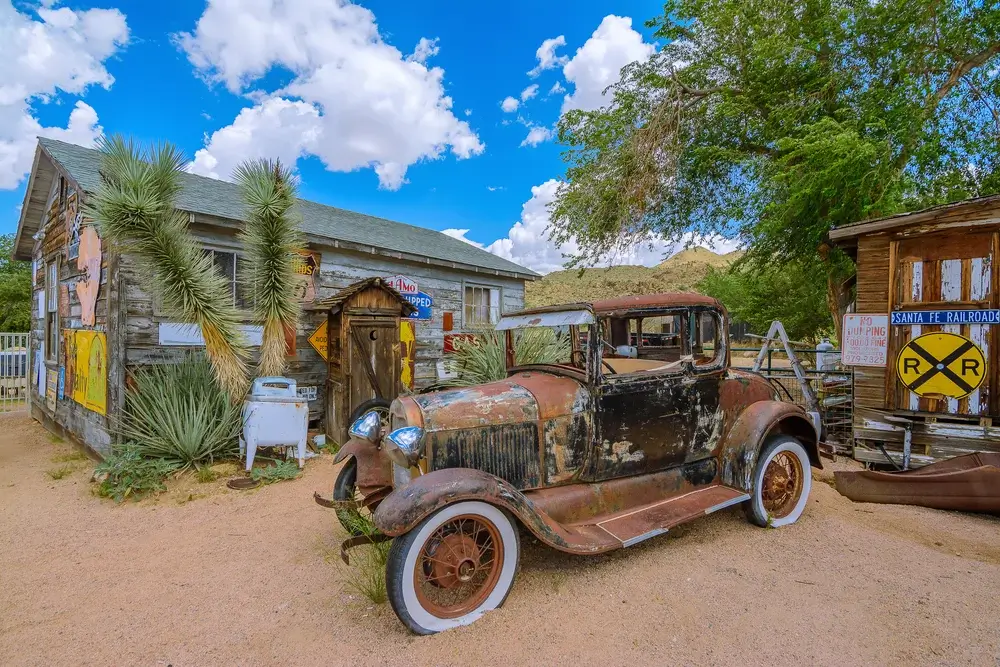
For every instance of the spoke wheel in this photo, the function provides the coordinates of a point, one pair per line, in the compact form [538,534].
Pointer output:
[458,566]
[781,486]
[452,567]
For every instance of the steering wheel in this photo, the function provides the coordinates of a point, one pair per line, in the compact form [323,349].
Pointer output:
[583,358]
[609,367]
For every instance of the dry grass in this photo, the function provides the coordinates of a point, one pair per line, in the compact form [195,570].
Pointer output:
[680,273]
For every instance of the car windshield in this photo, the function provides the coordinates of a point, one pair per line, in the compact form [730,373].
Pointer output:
[555,338]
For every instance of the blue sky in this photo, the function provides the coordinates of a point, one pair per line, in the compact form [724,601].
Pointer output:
[161,90]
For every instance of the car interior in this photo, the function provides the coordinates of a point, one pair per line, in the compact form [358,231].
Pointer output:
[660,343]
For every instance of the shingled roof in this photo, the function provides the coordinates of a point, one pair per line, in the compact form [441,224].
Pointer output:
[323,225]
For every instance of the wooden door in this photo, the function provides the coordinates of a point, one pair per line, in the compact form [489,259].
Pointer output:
[374,361]
[953,271]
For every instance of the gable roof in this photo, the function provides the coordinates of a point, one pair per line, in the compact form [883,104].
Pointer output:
[981,210]
[336,302]
[322,225]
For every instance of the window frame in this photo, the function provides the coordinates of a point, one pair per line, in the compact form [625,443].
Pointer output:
[51,320]
[719,360]
[493,313]
[683,367]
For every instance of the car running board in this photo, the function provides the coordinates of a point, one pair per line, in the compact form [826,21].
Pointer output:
[657,518]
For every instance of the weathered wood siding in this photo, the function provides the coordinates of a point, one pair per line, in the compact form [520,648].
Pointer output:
[872,297]
[69,417]
[339,268]
[947,261]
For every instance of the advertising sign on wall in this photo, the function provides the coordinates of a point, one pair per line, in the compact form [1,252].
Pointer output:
[423,302]
[306,267]
[402,284]
[90,387]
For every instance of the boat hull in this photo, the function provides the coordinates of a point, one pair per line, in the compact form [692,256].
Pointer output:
[969,483]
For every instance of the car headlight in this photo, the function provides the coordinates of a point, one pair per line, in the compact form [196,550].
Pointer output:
[367,427]
[402,446]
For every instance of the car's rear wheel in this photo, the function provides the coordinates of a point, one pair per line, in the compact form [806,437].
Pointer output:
[781,483]
[457,564]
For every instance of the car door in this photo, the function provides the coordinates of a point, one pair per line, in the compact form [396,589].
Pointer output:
[708,340]
[643,420]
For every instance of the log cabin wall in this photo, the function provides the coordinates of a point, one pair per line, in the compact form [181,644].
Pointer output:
[941,259]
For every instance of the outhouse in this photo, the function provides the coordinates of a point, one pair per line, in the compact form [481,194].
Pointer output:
[364,351]
[923,337]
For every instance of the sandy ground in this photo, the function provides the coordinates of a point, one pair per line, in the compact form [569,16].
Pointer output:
[206,576]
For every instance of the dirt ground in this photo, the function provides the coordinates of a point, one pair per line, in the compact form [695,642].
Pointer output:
[207,576]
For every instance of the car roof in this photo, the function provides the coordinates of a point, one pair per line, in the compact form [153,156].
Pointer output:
[622,305]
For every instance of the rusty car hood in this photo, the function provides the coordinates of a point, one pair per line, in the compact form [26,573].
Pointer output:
[527,396]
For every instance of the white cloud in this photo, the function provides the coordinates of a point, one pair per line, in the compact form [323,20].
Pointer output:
[546,54]
[597,64]
[509,104]
[556,88]
[494,188]
[468,112]
[354,101]
[426,48]
[537,135]
[63,50]
[528,243]
[529,92]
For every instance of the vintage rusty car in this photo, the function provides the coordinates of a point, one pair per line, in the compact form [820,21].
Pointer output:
[636,425]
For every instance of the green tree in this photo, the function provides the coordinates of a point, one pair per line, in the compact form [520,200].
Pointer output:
[758,295]
[15,289]
[776,120]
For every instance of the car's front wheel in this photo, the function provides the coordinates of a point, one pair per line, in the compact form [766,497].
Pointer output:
[781,483]
[457,564]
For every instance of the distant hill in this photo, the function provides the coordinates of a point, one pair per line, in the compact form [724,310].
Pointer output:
[679,273]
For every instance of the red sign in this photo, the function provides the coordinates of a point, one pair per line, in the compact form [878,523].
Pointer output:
[402,284]
[449,341]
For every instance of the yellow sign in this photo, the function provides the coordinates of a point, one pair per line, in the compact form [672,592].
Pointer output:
[944,364]
[90,386]
[408,357]
[318,340]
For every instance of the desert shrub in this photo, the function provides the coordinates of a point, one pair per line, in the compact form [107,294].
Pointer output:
[277,472]
[126,473]
[367,574]
[483,358]
[178,412]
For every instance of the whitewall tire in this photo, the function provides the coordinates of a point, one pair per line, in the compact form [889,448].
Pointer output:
[456,565]
[781,483]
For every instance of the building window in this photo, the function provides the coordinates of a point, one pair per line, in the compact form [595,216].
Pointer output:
[52,311]
[482,305]
[226,263]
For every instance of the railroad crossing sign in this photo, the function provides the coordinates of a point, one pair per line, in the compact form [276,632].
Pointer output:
[943,364]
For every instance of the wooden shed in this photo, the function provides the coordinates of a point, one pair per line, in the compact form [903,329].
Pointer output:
[929,272]
[364,354]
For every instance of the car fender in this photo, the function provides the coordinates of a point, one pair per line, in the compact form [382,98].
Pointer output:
[404,508]
[758,422]
[374,467]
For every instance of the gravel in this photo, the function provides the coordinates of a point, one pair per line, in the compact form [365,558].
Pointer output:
[203,575]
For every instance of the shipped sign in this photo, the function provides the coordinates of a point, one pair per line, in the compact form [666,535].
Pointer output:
[866,340]
[902,318]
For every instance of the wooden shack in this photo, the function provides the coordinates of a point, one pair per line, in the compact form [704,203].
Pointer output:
[365,359]
[930,272]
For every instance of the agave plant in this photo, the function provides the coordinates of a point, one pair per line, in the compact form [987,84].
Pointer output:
[134,209]
[270,238]
[483,357]
[178,413]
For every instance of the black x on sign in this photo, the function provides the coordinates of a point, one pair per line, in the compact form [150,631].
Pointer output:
[943,364]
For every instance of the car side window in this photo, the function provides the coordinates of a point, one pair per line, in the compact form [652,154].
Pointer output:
[707,347]
[653,344]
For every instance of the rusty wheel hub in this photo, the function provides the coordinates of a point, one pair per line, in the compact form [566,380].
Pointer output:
[456,560]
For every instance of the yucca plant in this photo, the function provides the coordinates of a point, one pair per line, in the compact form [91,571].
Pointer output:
[134,209]
[270,238]
[483,358]
[178,413]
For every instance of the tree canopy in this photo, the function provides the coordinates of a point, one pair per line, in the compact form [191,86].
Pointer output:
[15,289]
[777,120]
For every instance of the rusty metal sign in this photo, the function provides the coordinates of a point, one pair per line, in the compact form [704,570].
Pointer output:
[319,341]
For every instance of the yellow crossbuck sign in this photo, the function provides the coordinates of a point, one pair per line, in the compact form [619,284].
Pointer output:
[944,364]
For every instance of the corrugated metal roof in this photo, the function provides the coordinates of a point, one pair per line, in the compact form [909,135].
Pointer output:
[208,196]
